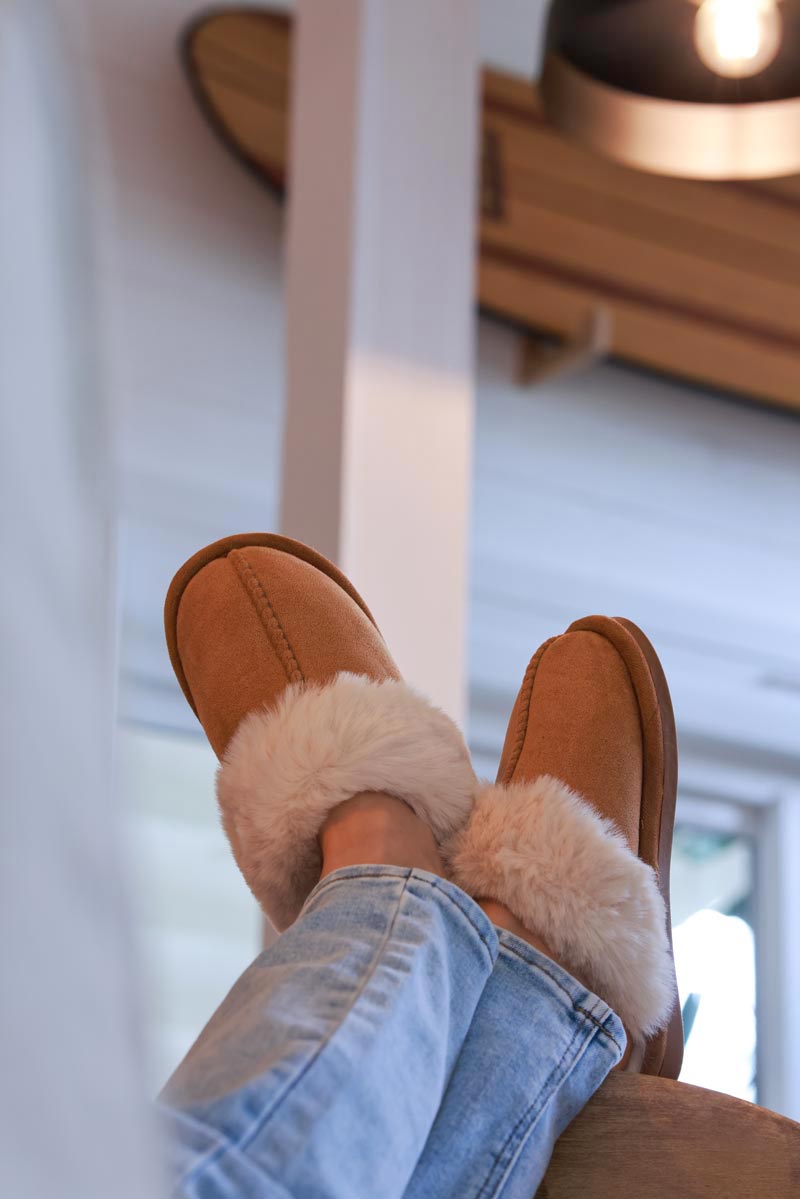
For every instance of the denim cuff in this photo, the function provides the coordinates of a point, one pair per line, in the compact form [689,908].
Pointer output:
[565,988]
[424,885]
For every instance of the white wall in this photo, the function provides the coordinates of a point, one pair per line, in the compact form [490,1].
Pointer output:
[622,493]
[191,275]
[71,1086]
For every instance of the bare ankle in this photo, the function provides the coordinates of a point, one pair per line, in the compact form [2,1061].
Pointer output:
[502,917]
[374,828]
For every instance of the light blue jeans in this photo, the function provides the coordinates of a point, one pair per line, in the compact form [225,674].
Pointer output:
[391,1043]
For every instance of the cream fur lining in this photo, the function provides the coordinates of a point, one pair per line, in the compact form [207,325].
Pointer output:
[568,874]
[287,767]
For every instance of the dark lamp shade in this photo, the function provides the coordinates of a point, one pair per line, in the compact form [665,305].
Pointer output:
[702,90]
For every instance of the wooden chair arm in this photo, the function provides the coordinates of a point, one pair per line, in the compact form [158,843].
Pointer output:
[649,1138]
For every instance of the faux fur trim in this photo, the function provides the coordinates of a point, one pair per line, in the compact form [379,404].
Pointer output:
[567,873]
[288,766]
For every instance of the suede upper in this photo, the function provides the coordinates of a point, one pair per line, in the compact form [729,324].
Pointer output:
[591,714]
[300,699]
[250,623]
[587,728]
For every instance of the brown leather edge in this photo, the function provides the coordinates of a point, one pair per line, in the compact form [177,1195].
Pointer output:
[268,617]
[664,1054]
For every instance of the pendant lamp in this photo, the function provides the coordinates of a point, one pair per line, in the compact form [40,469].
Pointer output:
[704,89]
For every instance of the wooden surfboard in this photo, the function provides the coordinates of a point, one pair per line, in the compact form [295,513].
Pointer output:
[701,280]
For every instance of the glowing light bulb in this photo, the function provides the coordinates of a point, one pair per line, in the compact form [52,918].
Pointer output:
[738,38]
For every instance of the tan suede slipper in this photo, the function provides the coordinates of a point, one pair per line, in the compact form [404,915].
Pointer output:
[285,668]
[575,836]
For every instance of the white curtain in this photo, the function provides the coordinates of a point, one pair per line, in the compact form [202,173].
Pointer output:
[73,1118]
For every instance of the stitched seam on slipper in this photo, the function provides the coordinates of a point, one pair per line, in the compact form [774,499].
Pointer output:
[526,695]
[266,614]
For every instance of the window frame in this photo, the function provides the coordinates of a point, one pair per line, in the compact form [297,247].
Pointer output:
[759,797]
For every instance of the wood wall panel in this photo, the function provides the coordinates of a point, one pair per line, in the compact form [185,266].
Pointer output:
[702,280]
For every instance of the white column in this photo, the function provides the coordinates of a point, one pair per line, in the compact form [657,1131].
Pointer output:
[378,438]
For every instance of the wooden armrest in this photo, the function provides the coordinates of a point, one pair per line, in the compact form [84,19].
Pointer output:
[649,1138]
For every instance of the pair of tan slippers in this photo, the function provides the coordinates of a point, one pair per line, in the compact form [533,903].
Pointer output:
[284,665]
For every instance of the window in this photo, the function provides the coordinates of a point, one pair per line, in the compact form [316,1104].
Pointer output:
[199,925]
[713,887]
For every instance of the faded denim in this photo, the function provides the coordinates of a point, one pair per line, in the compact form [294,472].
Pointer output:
[392,1042]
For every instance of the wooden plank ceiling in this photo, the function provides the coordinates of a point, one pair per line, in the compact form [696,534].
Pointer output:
[702,280]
